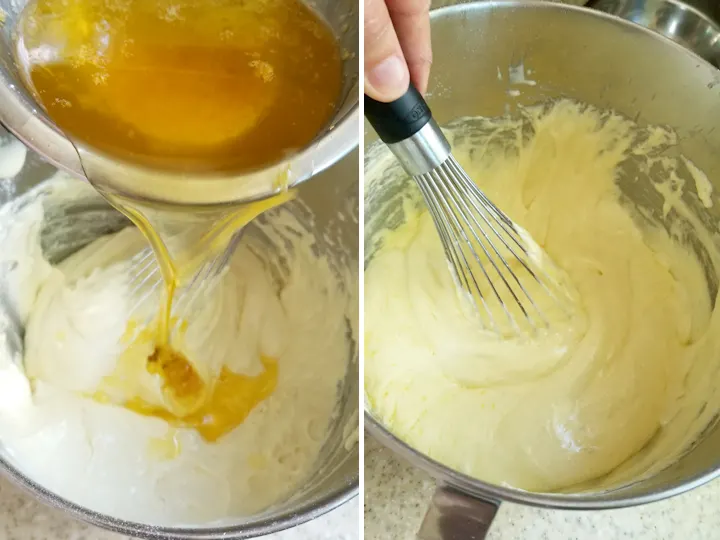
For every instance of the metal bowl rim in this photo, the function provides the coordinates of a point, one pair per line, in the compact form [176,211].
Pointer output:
[298,516]
[487,491]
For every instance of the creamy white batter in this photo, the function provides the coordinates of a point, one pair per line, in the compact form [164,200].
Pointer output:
[618,390]
[136,467]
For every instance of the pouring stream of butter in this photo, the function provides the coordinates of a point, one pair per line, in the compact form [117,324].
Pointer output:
[192,87]
[211,407]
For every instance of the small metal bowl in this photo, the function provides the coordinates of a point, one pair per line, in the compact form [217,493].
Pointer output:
[21,115]
[691,23]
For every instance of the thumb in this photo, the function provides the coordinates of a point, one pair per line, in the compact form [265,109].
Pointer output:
[386,72]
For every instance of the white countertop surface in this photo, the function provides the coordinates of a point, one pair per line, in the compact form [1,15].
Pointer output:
[23,518]
[397,495]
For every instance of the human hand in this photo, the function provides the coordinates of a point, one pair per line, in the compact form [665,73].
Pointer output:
[397,47]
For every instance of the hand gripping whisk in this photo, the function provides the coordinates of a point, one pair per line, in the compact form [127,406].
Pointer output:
[493,260]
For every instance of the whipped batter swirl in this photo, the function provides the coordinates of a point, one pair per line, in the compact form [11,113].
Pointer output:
[617,391]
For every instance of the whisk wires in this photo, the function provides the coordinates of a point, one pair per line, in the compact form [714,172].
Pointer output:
[488,254]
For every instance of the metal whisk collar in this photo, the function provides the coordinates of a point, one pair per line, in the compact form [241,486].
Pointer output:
[494,261]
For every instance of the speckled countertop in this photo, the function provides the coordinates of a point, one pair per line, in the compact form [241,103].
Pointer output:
[22,518]
[397,495]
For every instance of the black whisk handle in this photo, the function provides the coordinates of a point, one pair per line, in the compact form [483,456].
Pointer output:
[399,119]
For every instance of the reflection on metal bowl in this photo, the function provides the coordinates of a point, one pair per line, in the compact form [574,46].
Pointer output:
[692,23]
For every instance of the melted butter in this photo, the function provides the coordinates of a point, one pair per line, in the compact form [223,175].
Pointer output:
[211,406]
[230,401]
[182,384]
[184,265]
[181,84]
[191,400]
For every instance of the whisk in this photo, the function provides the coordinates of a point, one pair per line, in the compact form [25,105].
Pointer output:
[494,261]
[200,248]
[147,281]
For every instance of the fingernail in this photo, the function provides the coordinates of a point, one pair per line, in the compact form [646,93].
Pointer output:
[389,77]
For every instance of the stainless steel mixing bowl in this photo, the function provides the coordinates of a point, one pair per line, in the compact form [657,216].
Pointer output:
[333,199]
[21,115]
[595,58]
